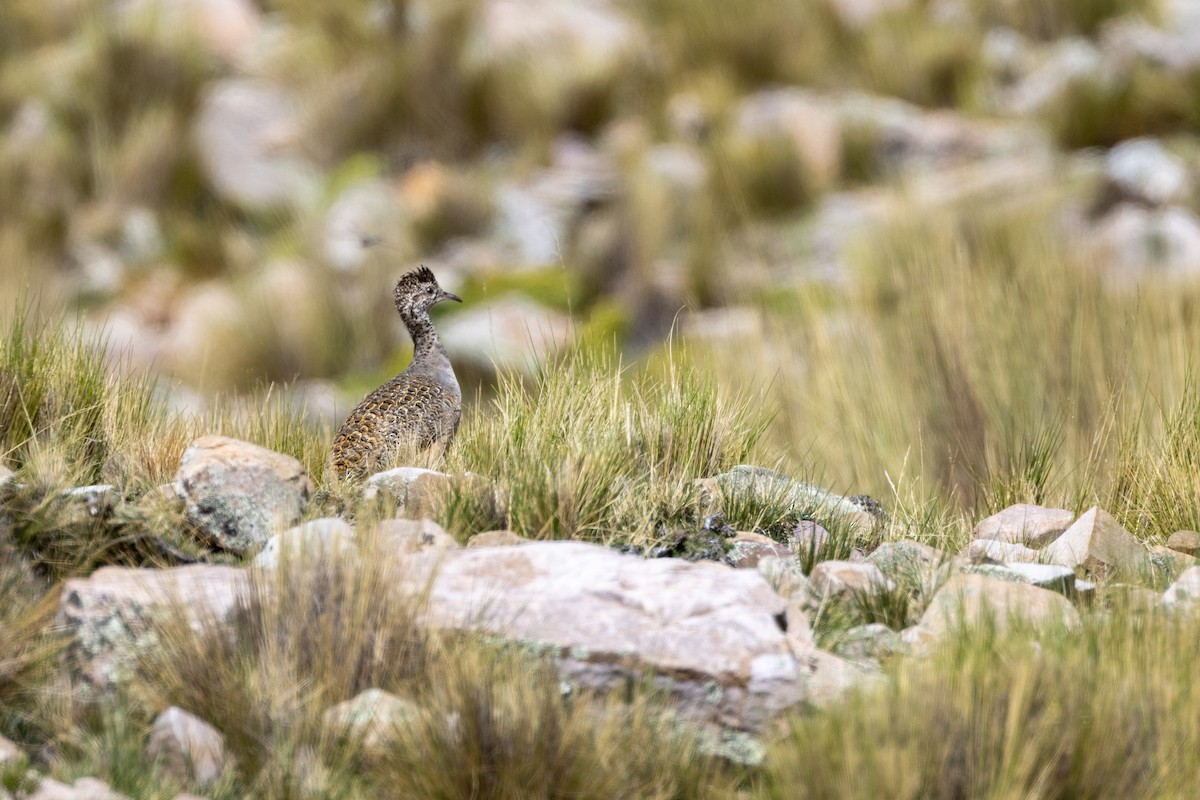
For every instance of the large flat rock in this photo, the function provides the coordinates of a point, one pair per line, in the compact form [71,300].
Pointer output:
[111,613]
[713,637]
[712,634]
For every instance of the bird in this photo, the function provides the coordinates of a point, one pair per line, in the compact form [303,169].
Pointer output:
[418,409]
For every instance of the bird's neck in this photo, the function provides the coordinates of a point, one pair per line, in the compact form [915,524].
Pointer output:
[428,353]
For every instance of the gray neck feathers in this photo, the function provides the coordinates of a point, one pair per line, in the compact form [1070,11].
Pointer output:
[429,356]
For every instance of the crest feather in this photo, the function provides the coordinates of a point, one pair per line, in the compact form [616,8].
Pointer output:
[417,276]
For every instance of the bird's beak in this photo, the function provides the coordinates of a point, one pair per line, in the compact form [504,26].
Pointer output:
[447,296]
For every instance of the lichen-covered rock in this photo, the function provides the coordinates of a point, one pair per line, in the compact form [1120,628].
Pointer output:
[711,634]
[1002,552]
[110,615]
[186,747]
[1047,576]
[971,599]
[1023,524]
[1186,542]
[748,549]
[1169,561]
[371,719]
[317,538]
[905,560]
[404,536]
[869,643]
[772,486]
[1097,542]
[83,789]
[1185,591]
[839,578]
[238,494]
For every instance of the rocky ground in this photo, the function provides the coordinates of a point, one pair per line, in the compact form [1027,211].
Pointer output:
[727,634]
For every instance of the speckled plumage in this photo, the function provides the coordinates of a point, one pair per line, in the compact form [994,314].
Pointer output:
[417,409]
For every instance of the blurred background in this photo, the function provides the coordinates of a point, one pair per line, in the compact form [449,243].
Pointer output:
[953,243]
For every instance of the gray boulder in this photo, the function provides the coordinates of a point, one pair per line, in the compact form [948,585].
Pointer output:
[371,718]
[249,136]
[1028,525]
[1097,542]
[972,599]
[110,615]
[1186,542]
[238,494]
[712,634]
[318,538]
[1143,171]
[186,747]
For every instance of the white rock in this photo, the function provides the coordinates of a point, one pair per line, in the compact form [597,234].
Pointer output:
[186,747]
[1096,541]
[1029,525]
[318,538]
[836,578]
[1143,169]
[860,13]
[1185,591]
[110,613]
[608,617]
[248,136]
[827,678]
[405,536]
[970,599]
[367,209]
[1001,551]
[509,332]
[1138,244]
[547,51]
[372,719]
[805,123]
[534,216]
[396,482]
[10,752]
[221,27]
[1069,62]
[83,789]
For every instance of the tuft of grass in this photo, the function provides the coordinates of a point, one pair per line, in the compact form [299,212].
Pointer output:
[499,723]
[494,720]
[305,637]
[584,451]
[29,648]
[1088,714]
